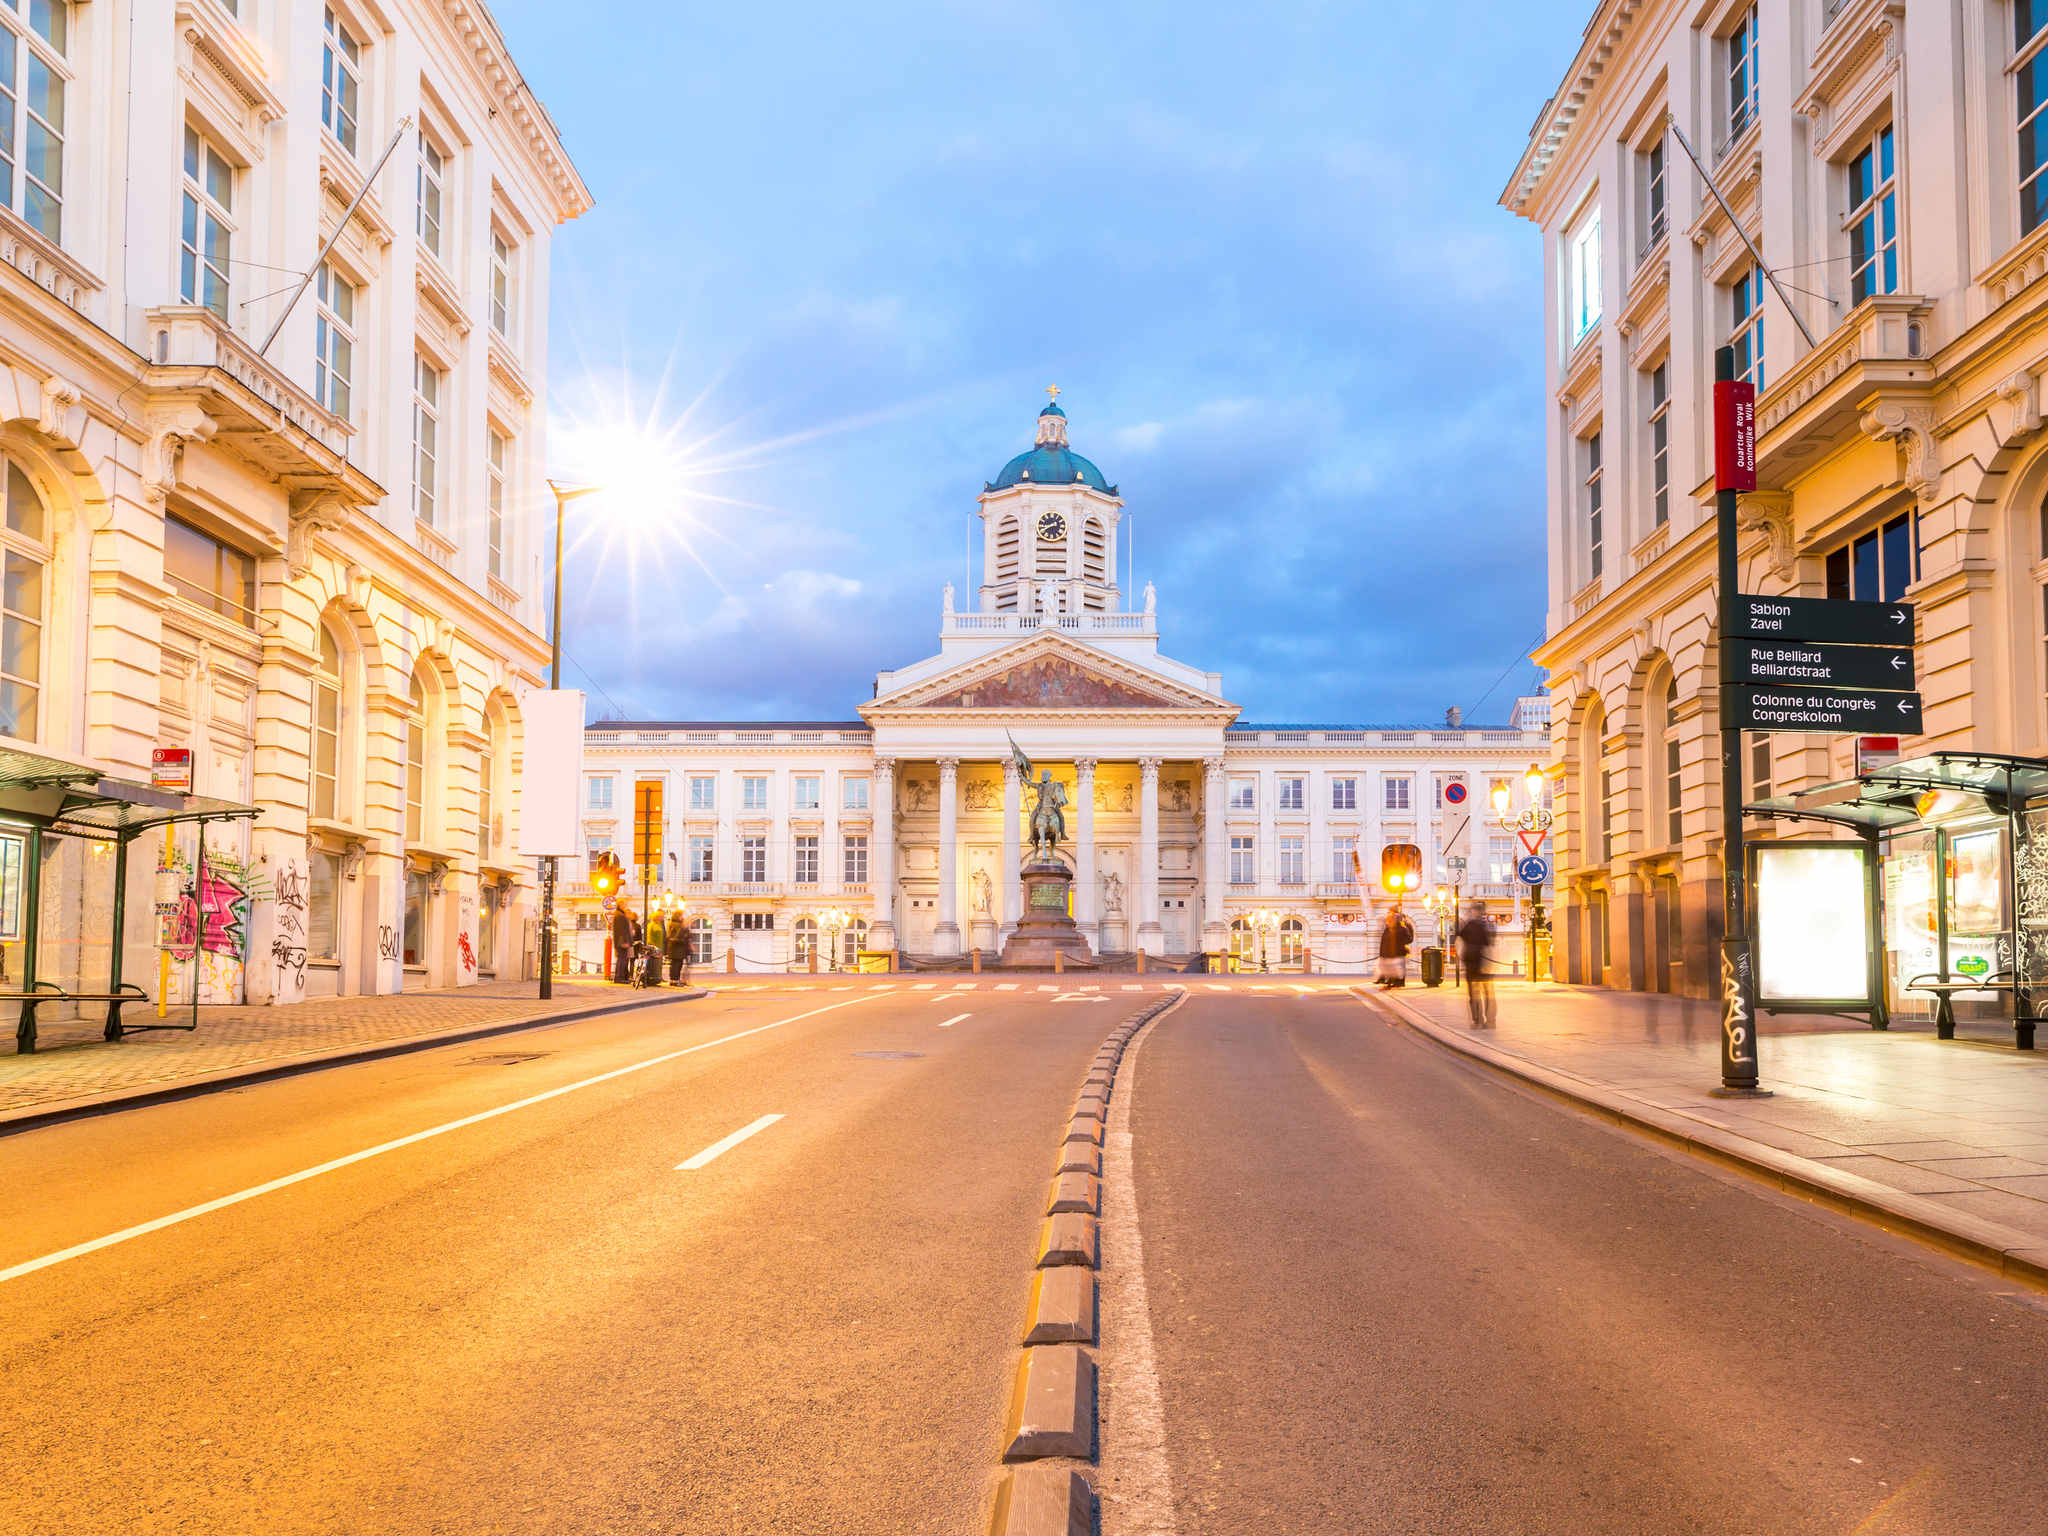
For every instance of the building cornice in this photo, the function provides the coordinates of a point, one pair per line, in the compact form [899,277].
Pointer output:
[473,24]
[1611,21]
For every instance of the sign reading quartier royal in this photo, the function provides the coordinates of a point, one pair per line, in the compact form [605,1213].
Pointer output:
[1828,710]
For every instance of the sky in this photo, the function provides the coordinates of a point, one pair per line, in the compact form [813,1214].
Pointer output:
[838,252]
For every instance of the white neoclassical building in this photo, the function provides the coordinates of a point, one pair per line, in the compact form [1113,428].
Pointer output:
[289,532]
[1189,830]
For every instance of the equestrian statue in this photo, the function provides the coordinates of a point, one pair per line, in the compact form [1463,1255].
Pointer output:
[1048,823]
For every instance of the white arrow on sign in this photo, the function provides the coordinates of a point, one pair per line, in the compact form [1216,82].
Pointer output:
[1905,708]
[1898,615]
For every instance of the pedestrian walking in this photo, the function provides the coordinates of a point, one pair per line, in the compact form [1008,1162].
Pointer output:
[622,945]
[678,948]
[1396,934]
[1475,952]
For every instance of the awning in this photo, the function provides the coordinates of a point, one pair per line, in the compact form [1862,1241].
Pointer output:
[1889,797]
[77,798]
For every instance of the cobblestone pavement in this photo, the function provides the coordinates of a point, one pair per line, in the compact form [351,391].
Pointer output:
[72,1061]
[1963,1123]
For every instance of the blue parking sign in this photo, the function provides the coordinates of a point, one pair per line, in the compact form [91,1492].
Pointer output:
[1534,870]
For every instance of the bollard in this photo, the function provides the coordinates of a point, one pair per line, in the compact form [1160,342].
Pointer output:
[814,959]
[1059,962]
[731,961]
[1141,962]
[977,961]
[892,962]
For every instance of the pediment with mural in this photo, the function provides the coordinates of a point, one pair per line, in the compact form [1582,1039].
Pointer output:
[1050,682]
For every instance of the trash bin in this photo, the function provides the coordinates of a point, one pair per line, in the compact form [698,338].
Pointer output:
[1432,966]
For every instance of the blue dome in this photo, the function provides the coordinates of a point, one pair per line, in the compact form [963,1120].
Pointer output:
[1050,466]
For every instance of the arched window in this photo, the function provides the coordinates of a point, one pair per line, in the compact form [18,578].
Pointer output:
[25,556]
[853,941]
[327,689]
[1674,806]
[1293,935]
[806,940]
[416,763]
[1594,783]
[700,941]
[1244,944]
[490,800]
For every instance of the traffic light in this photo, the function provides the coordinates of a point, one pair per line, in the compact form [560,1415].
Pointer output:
[605,873]
[1400,868]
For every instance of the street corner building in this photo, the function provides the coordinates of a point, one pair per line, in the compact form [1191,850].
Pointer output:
[792,844]
[286,529]
[1887,162]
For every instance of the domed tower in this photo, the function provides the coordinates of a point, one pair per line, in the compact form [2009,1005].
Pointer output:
[1049,530]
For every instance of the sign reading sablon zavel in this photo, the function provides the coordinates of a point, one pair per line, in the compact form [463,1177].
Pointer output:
[1837,666]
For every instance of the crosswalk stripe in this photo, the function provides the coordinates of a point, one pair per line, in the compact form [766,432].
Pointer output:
[1006,986]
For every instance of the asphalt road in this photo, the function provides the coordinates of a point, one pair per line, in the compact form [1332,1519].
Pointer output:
[1391,1293]
[535,1322]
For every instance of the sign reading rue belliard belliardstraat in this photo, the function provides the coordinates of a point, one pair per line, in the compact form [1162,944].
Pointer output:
[1846,710]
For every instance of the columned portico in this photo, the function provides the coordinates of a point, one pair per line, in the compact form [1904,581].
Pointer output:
[1150,937]
[882,924]
[1086,890]
[946,936]
[1013,890]
[1215,854]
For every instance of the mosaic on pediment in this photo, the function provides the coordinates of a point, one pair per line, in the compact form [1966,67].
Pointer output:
[1050,682]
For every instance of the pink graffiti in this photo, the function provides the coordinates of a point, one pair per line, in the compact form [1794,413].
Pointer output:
[227,908]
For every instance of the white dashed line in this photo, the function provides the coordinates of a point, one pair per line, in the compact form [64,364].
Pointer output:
[1006,986]
[923,986]
[720,1148]
[949,1023]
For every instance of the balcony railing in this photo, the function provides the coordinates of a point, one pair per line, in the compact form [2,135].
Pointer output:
[192,336]
[1141,624]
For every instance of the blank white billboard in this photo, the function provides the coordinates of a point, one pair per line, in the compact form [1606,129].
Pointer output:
[551,774]
[1812,924]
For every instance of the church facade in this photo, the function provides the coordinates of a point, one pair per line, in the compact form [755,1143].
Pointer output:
[904,828]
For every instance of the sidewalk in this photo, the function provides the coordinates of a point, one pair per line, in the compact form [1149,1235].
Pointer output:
[74,1068]
[1946,1137]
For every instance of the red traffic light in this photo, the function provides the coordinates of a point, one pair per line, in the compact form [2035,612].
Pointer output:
[1400,868]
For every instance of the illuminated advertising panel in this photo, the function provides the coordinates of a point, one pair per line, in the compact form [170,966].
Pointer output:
[1812,925]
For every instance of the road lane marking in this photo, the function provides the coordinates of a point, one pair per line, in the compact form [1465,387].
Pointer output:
[1215,986]
[923,986]
[948,1024]
[1006,986]
[720,1148]
[143,1229]
[1134,986]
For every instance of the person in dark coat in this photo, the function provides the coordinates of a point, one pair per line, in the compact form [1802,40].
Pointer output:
[1396,934]
[1475,952]
[678,948]
[622,945]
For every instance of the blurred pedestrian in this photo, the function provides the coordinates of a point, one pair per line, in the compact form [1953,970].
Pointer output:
[1396,934]
[1475,952]
[657,941]
[678,948]
[622,944]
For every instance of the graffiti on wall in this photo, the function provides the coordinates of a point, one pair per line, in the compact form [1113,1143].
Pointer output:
[465,925]
[228,889]
[288,938]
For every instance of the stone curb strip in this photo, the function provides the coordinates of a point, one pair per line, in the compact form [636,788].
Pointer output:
[41,1115]
[2012,1253]
[1052,1405]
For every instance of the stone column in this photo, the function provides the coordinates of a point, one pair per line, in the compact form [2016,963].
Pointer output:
[882,851]
[1013,890]
[946,936]
[1150,936]
[1086,898]
[1215,855]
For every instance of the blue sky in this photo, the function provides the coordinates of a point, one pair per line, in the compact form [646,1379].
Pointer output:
[839,251]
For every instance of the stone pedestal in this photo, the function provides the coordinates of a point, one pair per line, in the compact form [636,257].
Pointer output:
[1044,925]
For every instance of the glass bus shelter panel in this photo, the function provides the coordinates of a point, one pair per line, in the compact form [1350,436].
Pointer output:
[1912,933]
[1978,915]
[2030,902]
[75,914]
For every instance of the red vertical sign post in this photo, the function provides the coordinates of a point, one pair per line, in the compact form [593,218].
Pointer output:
[1734,473]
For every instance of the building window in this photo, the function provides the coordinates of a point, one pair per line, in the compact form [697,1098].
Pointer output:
[23,563]
[1292,797]
[1244,944]
[1759,766]
[701,865]
[32,84]
[1660,445]
[700,941]
[1873,221]
[494,498]
[1243,866]
[803,792]
[1583,298]
[426,439]
[1244,794]
[853,941]
[1500,860]
[486,774]
[416,763]
[1293,937]
[323,911]
[1343,794]
[754,792]
[1607,815]
[1343,859]
[648,823]
[432,167]
[2030,72]
[854,795]
[1674,788]
[753,859]
[327,729]
[334,339]
[1656,213]
[1293,861]
[806,870]
[502,292]
[1742,74]
[414,924]
[208,573]
[595,846]
[1397,793]
[206,225]
[855,866]
[1746,325]
[703,792]
[601,794]
[804,940]
[1594,495]
[341,67]
[1878,566]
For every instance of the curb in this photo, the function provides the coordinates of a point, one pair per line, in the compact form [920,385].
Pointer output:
[38,1116]
[2014,1254]
[1053,1405]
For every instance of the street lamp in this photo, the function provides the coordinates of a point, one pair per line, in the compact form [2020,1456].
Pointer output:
[1263,921]
[833,922]
[564,494]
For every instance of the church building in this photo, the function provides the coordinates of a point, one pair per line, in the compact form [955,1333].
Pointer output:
[1189,830]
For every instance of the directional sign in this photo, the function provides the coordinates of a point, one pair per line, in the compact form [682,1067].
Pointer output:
[1800,664]
[1823,619]
[1534,870]
[1826,710]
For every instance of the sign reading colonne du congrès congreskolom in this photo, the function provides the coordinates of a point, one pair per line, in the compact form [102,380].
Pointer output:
[1823,665]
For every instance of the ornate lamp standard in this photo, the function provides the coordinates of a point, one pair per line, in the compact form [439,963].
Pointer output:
[832,923]
[1265,920]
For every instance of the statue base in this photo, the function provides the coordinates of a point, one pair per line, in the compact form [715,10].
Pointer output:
[1045,927]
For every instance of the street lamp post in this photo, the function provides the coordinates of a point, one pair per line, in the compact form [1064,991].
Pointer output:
[564,494]
[833,922]
[1533,781]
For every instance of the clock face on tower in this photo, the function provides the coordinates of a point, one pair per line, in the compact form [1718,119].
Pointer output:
[1052,526]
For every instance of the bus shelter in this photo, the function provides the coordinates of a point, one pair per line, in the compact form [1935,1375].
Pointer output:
[1953,853]
[49,808]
